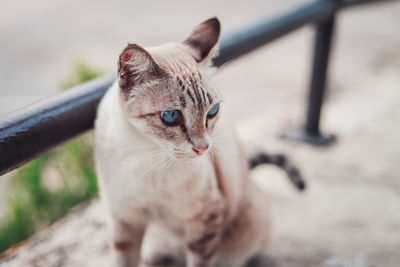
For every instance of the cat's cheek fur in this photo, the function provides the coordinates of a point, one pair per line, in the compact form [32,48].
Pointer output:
[211,123]
[140,106]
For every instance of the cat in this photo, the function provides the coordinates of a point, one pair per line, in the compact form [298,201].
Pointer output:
[172,174]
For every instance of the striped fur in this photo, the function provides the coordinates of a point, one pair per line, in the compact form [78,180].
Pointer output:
[282,162]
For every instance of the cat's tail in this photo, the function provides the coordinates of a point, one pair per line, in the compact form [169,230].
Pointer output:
[281,161]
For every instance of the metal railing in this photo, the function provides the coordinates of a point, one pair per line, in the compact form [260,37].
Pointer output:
[33,130]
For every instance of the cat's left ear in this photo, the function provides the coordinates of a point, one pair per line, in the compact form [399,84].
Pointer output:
[135,66]
[203,40]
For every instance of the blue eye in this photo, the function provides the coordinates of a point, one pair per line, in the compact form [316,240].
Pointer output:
[213,111]
[171,116]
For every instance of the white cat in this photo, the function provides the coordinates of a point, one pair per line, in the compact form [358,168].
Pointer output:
[171,171]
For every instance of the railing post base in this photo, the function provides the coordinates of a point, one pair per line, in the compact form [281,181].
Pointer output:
[302,136]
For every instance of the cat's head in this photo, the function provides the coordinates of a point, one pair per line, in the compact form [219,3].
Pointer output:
[166,92]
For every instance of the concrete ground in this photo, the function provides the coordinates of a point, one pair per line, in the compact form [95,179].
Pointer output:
[350,214]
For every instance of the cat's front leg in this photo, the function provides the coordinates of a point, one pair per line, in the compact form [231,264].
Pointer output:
[127,239]
[202,237]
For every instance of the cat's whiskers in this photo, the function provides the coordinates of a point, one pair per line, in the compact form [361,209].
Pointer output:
[169,162]
[213,152]
[136,148]
[226,152]
[218,140]
[153,154]
[147,156]
[151,167]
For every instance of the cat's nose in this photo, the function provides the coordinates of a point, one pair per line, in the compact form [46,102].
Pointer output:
[200,149]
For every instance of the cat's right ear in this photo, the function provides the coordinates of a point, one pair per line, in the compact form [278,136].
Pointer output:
[135,65]
[204,39]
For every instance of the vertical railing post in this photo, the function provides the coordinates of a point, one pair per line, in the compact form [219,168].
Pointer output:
[310,133]
[323,41]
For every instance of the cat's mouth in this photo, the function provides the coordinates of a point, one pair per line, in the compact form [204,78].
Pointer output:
[184,155]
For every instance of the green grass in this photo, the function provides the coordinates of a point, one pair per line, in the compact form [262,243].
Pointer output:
[44,190]
[83,73]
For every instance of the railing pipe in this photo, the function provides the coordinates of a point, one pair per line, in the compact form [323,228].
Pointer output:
[247,39]
[33,130]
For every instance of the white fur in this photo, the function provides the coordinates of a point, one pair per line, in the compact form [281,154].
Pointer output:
[126,173]
[203,209]
[130,180]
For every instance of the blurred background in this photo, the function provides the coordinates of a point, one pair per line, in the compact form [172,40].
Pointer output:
[40,41]
[350,214]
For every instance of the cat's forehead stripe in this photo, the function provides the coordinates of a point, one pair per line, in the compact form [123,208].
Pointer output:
[183,101]
[204,96]
[199,88]
[189,80]
[193,87]
[209,97]
[190,95]
[196,90]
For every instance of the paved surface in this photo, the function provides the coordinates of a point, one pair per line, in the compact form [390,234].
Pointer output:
[350,214]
